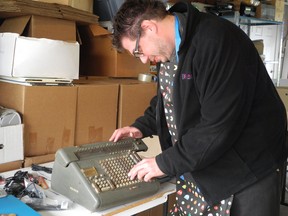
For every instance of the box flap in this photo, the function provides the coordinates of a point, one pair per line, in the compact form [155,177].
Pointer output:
[98,30]
[15,24]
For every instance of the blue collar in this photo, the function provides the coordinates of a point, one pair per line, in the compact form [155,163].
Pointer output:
[177,37]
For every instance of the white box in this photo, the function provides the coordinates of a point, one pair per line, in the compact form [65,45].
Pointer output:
[11,143]
[33,57]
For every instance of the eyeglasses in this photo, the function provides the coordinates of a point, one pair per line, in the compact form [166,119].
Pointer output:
[136,52]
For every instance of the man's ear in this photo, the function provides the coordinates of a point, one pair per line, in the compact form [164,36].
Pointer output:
[149,25]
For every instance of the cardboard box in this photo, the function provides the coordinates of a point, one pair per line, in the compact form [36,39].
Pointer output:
[279,10]
[99,58]
[11,166]
[134,99]
[86,5]
[31,57]
[273,11]
[11,143]
[96,112]
[38,160]
[41,27]
[259,46]
[48,112]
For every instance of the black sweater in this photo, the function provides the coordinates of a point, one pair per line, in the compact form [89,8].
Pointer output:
[230,119]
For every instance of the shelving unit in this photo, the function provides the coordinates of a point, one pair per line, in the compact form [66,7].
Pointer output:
[273,62]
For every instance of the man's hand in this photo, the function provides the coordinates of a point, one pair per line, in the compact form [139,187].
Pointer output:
[125,132]
[145,170]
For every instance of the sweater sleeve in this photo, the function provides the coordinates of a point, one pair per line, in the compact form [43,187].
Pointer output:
[147,123]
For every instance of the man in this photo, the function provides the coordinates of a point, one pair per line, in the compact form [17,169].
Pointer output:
[220,121]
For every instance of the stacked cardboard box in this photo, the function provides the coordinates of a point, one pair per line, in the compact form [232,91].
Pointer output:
[273,10]
[10,8]
[47,48]
[39,40]
[99,58]
[60,116]
[48,115]
[45,43]
[85,5]
[41,27]
[134,99]
[134,96]
[96,115]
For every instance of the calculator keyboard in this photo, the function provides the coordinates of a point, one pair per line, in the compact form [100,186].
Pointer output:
[115,173]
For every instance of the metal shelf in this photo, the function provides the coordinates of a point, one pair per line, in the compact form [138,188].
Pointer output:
[251,21]
[241,21]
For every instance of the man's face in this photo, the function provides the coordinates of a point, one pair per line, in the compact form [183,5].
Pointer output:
[152,47]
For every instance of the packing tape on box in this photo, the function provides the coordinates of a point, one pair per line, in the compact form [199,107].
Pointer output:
[9,117]
[145,77]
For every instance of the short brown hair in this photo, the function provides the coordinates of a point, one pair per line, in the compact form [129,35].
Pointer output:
[128,19]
